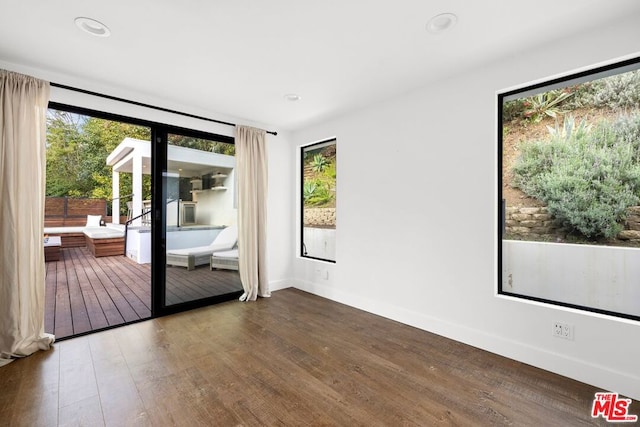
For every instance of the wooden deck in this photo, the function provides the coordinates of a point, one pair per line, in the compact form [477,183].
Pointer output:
[84,293]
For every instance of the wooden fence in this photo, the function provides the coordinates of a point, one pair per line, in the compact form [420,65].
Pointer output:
[70,211]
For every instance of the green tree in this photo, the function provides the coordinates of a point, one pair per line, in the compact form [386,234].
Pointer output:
[77,149]
[63,155]
[202,144]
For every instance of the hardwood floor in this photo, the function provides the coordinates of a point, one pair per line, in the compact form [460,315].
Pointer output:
[292,359]
[84,293]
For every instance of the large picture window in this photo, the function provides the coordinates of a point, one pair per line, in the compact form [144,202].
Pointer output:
[569,190]
[318,185]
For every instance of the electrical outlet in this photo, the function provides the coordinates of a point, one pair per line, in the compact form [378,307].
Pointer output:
[562,330]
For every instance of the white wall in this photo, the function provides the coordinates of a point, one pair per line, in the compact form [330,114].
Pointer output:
[280,215]
[420,247]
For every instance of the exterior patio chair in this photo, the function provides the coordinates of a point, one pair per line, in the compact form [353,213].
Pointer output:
[192,257]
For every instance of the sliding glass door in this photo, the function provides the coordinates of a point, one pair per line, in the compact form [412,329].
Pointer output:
[164,203]
[199,226]
[98,171]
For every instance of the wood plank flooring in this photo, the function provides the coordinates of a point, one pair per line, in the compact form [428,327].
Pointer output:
[84,293]
[290,360]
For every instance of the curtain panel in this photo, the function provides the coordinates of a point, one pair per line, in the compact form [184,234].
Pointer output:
[23,108]
[251,158]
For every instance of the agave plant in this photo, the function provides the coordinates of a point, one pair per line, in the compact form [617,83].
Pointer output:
[319,163]
[545,104]
[309,189]
[569,129]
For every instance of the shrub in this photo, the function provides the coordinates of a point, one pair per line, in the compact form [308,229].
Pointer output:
[330,171]
[617,92]
[513,109]
[587,179]
[627,129]
[620,91]
[583,95]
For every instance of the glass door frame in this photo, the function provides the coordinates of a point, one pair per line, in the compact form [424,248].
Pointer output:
[159,165]
[159,147]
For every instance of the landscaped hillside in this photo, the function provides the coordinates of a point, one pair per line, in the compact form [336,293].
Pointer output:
[575,151]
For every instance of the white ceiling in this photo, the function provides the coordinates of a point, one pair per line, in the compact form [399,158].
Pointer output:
[240,57]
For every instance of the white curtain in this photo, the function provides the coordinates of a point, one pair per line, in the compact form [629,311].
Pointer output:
[251,158]
[23,107]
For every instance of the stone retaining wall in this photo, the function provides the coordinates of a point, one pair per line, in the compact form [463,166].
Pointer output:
[536,222]
[530,222]
[632,225]
[320,217]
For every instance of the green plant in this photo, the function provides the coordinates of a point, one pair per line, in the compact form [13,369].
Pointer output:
[513,109]
[616,92]
[588,179]
[316,193]
[545,104]
[627,128]
[330,171]
[619,91]
[569,129]
[319,163]
[308,189]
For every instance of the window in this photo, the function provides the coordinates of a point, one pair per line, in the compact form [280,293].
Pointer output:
[318,206]
[568,167]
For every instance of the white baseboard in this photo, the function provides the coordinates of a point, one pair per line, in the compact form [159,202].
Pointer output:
[276,285]
[603,377]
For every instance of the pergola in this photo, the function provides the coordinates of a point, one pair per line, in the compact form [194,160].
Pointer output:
[134,156]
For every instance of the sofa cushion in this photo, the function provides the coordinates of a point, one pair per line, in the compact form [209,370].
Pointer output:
[232,254]
[93,220]
[102,233]
[63,230]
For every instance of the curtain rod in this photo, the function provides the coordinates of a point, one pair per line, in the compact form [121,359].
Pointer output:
[141,104]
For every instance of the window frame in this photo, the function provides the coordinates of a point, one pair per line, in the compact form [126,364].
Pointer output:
[159,144]
[616,67]
[305,148]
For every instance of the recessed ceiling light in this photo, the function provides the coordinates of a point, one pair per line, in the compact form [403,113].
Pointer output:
[441,23]
[93,27]
[292,97]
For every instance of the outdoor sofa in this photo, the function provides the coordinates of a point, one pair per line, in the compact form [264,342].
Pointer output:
[105,240]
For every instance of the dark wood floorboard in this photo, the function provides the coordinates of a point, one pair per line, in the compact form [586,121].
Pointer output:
[292,359]
[84,293]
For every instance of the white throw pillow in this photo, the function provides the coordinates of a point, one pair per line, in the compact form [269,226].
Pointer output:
[93,220]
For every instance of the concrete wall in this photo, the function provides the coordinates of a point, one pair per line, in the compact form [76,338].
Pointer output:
[602,277]
[320,242]
[435,266]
